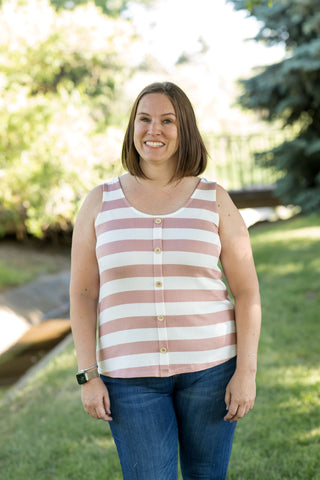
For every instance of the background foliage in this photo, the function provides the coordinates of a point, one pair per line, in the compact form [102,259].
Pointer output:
[112,8]
[64,67]
[61,74]
[289,91]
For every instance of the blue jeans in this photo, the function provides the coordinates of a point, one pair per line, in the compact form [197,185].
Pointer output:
[152,416]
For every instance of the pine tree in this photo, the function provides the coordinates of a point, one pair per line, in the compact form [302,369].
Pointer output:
[290,91]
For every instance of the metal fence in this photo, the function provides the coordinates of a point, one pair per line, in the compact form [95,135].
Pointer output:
[233,161]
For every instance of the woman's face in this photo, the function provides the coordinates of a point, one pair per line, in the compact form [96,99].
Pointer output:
[156,131]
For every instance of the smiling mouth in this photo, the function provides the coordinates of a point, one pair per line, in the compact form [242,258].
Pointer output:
[154,144]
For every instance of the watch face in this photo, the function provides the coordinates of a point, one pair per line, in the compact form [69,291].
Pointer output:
[81,377]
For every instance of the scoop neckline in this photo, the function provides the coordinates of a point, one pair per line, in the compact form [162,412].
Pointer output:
[163,215]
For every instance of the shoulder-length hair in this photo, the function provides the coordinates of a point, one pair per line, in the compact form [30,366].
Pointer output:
[192,153]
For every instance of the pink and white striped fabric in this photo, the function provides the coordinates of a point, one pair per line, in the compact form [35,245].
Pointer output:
[163,306]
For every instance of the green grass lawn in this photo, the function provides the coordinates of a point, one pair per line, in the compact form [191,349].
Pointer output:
[46,435]
[280,438]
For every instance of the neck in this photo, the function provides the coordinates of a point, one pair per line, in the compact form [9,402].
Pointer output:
[158,175]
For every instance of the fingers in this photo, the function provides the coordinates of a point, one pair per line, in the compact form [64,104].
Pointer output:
[237,411]
[227,398]
[99,411]
[101,414]
[95,399]
[240,396]
[106,409]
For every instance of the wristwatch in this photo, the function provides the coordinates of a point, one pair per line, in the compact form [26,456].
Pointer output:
[84,376]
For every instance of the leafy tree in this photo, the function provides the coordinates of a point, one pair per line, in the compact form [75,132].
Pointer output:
[60,76]
[289,91]
[112,8]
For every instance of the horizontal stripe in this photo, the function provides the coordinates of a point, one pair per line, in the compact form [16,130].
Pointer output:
[196,223]
[126,212]
[180,321]
[112,193]
[119,203]
[210,186]
[203,204]
[177,358]
[173,347]
[169,283]
[170,296]
[167,234]
[143,335]
[181,246]
[136,271]
[123,224]
[171,258]
[112,185]
[171,309]
[145,223]
[202,194]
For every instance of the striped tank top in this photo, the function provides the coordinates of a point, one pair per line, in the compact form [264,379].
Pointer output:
[163,307]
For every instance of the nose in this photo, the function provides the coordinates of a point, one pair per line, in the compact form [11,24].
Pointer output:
[154,127]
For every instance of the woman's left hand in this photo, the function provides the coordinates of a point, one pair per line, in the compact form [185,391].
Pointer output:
[240,395]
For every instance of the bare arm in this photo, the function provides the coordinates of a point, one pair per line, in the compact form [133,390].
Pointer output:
[238,266]
[84,295]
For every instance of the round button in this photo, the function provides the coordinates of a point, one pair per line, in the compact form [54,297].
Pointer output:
[158,220]
[163,350]
[157,250]
[158,284]
[160,318]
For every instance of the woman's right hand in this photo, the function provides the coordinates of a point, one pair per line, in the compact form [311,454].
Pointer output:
[95,399]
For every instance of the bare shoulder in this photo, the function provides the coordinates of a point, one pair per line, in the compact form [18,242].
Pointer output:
[225,204]
[230,218]
[91,205]
[222,196]
[94,198]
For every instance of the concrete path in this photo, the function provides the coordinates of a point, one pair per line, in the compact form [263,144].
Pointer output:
[29,305]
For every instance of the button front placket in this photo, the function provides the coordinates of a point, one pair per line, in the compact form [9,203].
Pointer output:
[159,287]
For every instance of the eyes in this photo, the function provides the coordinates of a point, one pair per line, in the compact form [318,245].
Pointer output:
[165,121]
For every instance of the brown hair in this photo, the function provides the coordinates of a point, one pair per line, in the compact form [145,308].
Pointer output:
[192,153]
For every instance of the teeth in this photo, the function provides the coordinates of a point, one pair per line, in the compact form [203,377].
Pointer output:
[154,144]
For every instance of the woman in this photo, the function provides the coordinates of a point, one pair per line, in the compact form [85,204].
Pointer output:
[177,359]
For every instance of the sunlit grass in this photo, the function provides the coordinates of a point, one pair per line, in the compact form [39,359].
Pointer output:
[278,440]
[12,277]
[45,427]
